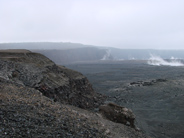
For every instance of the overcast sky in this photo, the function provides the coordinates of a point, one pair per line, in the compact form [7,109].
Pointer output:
[155,24]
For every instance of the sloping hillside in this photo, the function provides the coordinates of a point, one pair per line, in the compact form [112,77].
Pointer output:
[34,99]
[36,71]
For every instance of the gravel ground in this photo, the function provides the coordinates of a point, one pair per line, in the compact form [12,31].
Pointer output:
[25,112]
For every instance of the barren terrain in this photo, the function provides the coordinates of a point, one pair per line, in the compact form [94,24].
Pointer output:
[40,99]
[154,93]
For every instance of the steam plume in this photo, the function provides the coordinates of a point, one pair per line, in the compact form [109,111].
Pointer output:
[108,55]
[158,61]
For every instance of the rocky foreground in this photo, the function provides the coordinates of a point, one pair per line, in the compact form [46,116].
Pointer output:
[40,99]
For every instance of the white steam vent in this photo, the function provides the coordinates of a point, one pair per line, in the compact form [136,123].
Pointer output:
[107,56]
[158,61]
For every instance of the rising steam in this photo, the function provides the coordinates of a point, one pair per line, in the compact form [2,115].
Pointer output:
[158,61]
[108,55]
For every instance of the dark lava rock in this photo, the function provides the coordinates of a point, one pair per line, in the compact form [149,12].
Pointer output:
[118,114]
[56,82]
[25,112]
[32,92]
[147,83]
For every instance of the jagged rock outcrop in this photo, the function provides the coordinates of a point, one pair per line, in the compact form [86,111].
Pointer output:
[56,82]
[118,114]
[147,83]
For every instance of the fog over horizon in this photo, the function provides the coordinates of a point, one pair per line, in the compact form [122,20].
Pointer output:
[122,24]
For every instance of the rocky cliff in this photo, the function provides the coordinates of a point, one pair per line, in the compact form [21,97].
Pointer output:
[34,99]
[57,82]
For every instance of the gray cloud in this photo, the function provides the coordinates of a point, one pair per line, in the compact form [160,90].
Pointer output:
[118,23]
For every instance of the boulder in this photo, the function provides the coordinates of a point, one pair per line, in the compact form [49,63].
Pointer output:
[118,114]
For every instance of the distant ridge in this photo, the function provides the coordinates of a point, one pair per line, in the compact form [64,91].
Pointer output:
[67,53]
[42,45]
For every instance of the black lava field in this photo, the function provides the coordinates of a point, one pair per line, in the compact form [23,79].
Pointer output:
[154,93]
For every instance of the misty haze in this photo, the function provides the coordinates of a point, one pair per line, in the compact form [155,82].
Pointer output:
[92,68]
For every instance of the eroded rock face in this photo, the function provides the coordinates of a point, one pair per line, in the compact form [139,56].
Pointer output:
[118,114]
[25,112]
[56,82]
